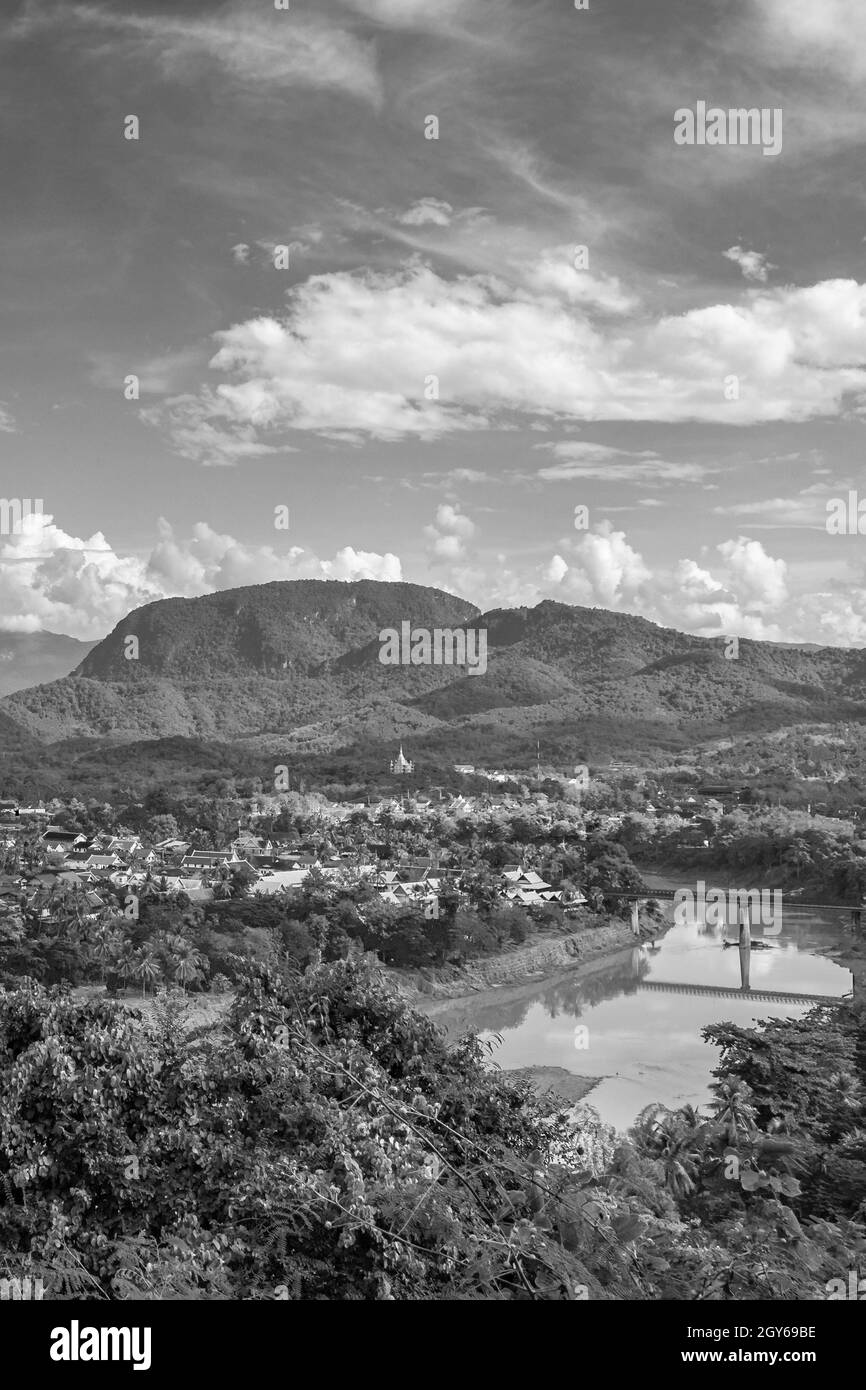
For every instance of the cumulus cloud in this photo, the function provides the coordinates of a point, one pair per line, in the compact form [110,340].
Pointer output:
[743,591]
[51,580]
[753,265]
[57,582]
[554,272]
[410,353]
[759,580]
[7,423]
[427,210]
[209,560]
[602,570]
[448,534]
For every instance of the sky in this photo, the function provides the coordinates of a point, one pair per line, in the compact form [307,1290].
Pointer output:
[551,354]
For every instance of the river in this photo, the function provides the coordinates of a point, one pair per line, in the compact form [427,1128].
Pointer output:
[646,1044]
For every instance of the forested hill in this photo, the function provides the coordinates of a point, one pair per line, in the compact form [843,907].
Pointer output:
[298,661]
[280,630]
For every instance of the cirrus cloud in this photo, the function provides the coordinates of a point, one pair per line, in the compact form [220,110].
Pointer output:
[259,51]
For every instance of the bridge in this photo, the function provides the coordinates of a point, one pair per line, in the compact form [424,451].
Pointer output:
[668,894]
[744,899]
[745,953]
[765,996]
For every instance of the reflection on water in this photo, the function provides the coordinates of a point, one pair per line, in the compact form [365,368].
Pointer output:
[647,1044]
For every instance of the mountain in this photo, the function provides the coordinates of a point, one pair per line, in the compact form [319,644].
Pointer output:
[264,659]
[283,630]
[294,667]
[31,658]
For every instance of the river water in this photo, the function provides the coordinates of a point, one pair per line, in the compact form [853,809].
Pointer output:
[646,1044]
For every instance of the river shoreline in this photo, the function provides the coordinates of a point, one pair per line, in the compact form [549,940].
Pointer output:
[526,966]
[458,1003]
[577,956]
[529,964]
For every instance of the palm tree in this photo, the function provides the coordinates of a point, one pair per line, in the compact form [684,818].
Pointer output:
[104,943]
[223,887]
[675,1140]
[146,967]
[189,965]
[125,962]
[733,1109]
[149,887]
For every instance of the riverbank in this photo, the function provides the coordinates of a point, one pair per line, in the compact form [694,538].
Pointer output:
[852,956]
[465,1014]
[457,1002]
[535,960]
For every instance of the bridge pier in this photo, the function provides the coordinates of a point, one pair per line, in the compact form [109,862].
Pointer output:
[745,945]
[635,917]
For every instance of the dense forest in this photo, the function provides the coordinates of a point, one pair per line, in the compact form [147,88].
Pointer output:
[326,1143]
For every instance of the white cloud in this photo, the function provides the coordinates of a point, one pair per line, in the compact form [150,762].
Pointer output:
[209,560]
[744,592]
[427,210]
[241,253]
[51,580]
[357,352]
[554,273]
[207,430]
[245,43]
[414,14]
[831,31]
[758,579]
[448,534]
[7,423]
[582,459]
[58,582]
[603,570]
[808,508]
[753,264]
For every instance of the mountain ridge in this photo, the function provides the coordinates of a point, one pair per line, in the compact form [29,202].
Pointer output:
[297,661]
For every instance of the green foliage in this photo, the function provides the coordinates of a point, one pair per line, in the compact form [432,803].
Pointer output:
[328,1143]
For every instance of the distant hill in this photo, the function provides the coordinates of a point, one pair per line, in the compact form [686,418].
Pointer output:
[281,631]
[295,666]
[31,658]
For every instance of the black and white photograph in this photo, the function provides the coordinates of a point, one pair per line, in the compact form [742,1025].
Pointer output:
[433,668]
